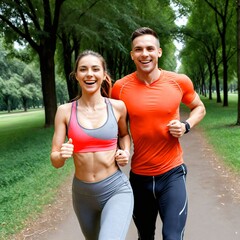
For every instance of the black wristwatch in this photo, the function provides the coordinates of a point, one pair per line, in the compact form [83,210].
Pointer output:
[187,127]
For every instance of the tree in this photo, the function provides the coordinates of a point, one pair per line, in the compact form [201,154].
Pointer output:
[9,91]
[20,79]
[201,36]
[223,13]
[238,58]
[29,86]
[215,30]
[81,28]
[36,23]
[71,31]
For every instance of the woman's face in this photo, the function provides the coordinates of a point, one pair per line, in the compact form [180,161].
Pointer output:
[90,73]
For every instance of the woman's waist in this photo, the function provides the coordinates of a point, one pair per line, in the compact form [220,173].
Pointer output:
[94,167]
[104,187]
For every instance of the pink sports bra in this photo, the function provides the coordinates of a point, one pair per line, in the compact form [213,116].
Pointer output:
[103,138]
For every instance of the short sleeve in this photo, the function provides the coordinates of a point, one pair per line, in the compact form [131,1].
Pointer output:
[115,94]
[187,89]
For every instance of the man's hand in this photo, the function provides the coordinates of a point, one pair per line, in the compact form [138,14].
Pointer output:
[176,128]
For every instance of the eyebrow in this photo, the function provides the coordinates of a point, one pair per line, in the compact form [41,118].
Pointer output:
[91,66]
[149,46]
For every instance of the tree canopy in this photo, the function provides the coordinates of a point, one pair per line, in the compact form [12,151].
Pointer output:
[56,31]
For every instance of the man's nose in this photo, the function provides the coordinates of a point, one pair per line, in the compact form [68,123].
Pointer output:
[144,52]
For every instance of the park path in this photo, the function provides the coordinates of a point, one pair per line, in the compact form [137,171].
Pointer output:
[213,192]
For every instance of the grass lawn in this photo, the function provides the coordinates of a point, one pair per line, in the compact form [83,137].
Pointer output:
[219,127]
[27,181]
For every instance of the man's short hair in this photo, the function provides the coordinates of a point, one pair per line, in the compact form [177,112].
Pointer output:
[144,31]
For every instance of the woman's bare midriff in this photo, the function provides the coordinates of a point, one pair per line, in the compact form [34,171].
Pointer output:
[95,166]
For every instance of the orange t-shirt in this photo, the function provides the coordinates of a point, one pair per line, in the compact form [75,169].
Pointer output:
[150,108]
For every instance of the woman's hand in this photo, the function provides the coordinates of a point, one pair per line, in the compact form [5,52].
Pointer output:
[67,149]
[122,157]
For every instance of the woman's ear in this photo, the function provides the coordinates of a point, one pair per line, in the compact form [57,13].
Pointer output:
[105,76]
[75,75]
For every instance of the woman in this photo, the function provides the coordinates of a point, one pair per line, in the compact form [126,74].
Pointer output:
[99,142]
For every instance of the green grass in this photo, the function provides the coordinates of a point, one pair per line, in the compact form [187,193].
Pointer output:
[219,127]
[27,181]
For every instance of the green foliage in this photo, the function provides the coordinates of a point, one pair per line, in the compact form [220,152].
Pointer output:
[202,57]
[105,26]
[28,181]
[20,83]
[109,31]
[85,26]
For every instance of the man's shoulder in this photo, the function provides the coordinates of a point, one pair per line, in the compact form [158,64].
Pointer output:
[179,78]
[125,78]
[120,84]
[174,74]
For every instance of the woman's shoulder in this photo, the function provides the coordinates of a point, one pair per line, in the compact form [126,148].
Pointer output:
[65,107]
[116,101]
[118,104]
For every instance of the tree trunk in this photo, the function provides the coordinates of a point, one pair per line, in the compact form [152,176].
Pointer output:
[210,82]
[67,53]
[238,58]
[225,68]
[24,101]
[47,68]
[218,92]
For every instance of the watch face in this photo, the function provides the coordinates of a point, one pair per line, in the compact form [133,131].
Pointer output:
[187,127]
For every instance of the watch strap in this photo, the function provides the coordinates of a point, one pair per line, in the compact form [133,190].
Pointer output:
[187,127]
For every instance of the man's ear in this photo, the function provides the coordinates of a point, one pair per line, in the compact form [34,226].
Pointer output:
[131,54]
[159,52]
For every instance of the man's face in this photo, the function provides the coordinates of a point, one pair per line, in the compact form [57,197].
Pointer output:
[145,53]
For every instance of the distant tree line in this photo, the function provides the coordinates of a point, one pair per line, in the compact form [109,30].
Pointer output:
[20,81]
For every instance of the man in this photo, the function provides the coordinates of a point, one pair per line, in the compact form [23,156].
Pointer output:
[152,97]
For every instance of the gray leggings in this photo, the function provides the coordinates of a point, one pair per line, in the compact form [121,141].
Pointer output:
[104,209]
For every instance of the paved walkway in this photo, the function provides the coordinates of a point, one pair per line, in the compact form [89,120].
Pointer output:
[214,201]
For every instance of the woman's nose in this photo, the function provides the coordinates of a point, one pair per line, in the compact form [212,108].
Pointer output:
[89,72]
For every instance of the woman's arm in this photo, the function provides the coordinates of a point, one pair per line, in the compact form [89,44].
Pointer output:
[61,151]
[123,154]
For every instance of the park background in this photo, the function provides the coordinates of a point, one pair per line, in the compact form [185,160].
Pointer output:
[39,43]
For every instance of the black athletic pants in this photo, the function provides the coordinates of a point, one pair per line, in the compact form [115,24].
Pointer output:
[164,194]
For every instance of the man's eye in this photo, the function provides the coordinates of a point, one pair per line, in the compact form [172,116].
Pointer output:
[151,49]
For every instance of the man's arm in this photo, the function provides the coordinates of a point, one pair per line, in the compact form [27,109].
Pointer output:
[198,111]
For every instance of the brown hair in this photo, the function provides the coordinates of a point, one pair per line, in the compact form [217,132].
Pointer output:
[143,31]
[106,84]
